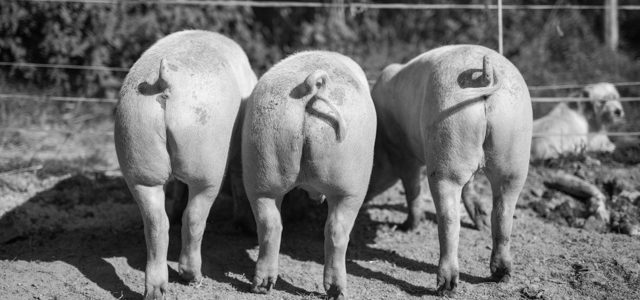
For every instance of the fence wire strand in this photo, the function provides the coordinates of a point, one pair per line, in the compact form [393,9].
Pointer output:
[371,82]
[578,86]
[302,4]
[354,5]
[590,134]
[10,97]
[570,99]
[62,66]
[110,133]
[7,97]
[58,131]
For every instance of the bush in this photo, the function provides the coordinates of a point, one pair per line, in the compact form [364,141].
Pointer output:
[548,46]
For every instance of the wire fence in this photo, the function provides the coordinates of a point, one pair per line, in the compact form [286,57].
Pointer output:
[578,86]
[350,5]
[6,97]
[62,66]
[110,132]
[11,97]
[124,70]
[55,130]
[354,6]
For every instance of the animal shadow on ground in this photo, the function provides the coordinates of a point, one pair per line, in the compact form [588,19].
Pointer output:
[49,227]
[82,199]
[428,216]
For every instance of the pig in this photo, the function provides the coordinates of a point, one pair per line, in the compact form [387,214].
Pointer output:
[576,127]
[455,110]
[310,123]
[177,109]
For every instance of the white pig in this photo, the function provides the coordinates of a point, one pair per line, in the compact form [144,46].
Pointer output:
[455,109]
[310,123]
[175,117]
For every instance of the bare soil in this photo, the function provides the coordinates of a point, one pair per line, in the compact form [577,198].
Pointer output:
[71,231]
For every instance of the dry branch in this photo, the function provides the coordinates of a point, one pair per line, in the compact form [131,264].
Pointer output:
[582,190]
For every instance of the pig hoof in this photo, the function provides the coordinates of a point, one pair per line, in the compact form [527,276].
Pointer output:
[263,285]
[189,270]
[483,223]
[409,225]
[442,292]
[155,293]
[189,276]
[501,275]
[156,282]
[196,282]
[193,280]
[336,293]
[500,267]
[447,286]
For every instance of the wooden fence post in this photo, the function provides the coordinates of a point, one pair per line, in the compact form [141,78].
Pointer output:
[611,27]
[337,12]
[500,30]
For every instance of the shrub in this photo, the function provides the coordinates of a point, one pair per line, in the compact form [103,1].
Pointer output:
[548,46]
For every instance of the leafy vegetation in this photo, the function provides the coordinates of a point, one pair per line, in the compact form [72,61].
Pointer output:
[549,46]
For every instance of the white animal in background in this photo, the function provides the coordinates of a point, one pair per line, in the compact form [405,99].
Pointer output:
[309,123]
[576,127]
[175,117]
[455,109]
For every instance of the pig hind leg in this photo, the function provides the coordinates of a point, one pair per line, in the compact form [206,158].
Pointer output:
[507,175]
[446,196]
[409,173]
[452,159]
[507,150]
[343,211]
[150,200]
[194,221]
[477,208]
[269,224]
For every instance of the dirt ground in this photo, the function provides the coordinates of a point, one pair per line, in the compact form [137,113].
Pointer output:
[71,231]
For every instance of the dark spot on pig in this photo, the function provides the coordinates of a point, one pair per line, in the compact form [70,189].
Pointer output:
[172,67]
[202,114]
